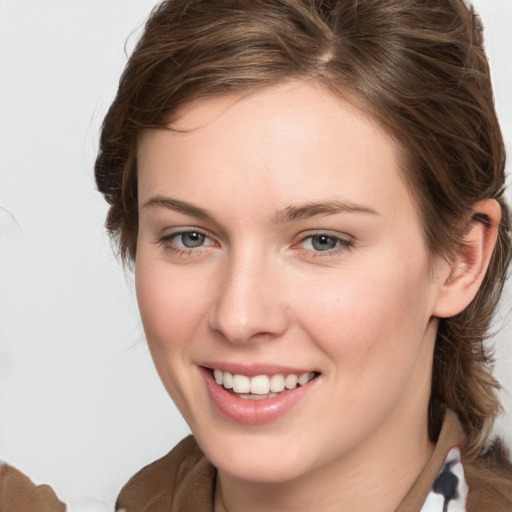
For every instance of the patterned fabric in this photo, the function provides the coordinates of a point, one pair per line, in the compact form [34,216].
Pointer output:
[450,490]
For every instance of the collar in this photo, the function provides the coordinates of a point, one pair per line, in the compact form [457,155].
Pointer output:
[451,436]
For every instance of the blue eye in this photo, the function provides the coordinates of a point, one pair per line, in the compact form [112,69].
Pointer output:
[191,239]
[323,242]
[186,242]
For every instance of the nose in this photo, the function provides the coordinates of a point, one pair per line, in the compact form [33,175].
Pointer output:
[248,304]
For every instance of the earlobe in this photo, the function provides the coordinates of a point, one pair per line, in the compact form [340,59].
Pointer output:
[469,264]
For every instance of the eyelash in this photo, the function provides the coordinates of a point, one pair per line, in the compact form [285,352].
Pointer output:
[168,243]
[341,244]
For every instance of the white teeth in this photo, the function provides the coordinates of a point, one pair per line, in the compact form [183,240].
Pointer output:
[304,378]
[291,381]
[227,380]
[261,384]
[241,384]
[277,383]
[217,374]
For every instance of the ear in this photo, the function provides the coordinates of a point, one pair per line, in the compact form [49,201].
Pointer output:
[466,270]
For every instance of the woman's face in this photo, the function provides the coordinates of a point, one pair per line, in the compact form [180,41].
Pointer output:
[278,241]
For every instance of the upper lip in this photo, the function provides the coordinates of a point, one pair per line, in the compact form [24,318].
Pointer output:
[252,370]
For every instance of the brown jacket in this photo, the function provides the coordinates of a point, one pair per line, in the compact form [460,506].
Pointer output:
[184,480]
[19,494]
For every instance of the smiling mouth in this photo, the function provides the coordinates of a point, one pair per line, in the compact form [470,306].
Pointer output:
[261,387]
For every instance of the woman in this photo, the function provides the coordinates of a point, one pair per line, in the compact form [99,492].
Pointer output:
[312,196]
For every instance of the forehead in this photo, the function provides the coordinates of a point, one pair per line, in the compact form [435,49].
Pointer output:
[298,140]
[299,102]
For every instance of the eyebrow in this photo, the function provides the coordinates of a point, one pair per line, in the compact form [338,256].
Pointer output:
[288,214]
[178,206]
[306,210]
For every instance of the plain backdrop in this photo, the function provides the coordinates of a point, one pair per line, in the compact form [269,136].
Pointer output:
[81,406]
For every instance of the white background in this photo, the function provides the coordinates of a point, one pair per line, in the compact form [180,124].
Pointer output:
[81,407]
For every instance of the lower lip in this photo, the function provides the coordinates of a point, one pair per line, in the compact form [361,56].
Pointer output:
[253,412]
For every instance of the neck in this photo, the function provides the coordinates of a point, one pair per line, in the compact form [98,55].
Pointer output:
[376,478]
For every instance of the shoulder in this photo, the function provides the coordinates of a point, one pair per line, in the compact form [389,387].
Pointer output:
[183,475]
[18,492]
[489,479]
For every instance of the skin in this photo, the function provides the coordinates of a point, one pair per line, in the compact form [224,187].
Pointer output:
[258,290]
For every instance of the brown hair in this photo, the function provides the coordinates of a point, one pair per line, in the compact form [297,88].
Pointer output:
[417,66]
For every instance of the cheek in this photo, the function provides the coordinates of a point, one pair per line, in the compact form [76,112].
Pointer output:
[170,303]
[373,319]
[171,306]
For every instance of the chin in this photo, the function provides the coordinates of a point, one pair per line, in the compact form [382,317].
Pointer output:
[257,458]
[266,471]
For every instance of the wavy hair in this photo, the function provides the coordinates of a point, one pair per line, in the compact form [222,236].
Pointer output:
[417,66]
